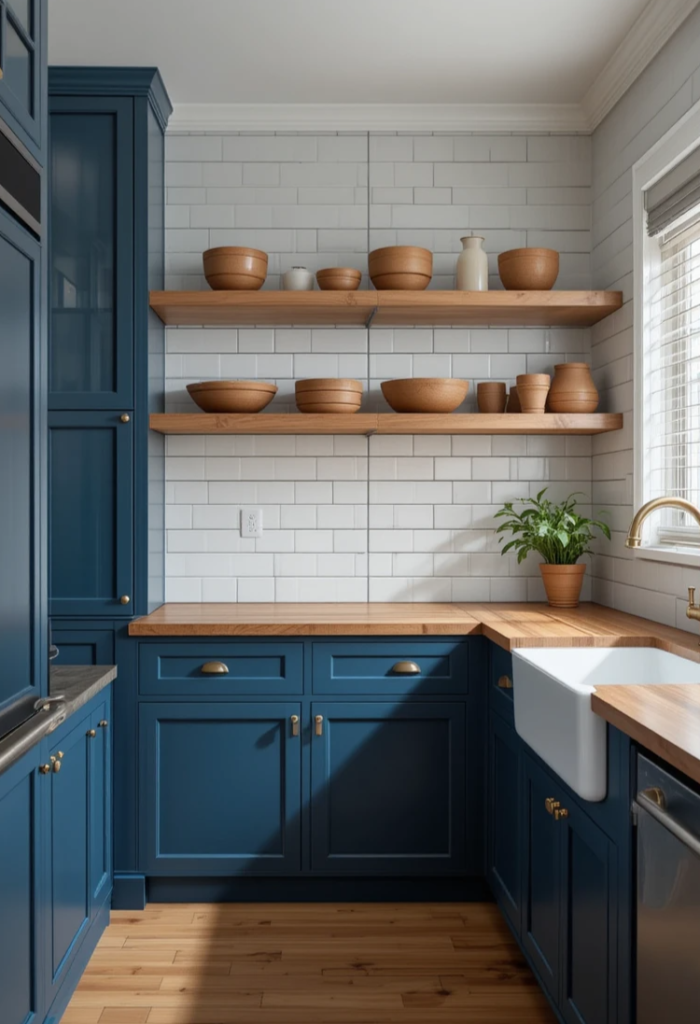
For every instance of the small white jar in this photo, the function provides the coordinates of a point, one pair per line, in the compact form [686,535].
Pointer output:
[298,279]
[472,266]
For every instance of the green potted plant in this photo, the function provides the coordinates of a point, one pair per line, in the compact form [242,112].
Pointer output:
[560,535]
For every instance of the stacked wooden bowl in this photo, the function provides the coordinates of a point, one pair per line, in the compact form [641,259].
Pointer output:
[232,395]
[235,268]
[402,267]
[328,395]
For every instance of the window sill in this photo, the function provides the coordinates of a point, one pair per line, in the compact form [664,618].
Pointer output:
[670,554]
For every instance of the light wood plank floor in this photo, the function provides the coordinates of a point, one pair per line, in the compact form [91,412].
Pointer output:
[308,964]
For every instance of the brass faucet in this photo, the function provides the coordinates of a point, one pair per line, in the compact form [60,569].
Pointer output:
[634,536]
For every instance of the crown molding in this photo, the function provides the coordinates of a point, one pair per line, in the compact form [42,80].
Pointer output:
[650,32]
[377,117]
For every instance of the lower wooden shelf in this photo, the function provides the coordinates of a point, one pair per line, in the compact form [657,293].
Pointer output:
[386,423]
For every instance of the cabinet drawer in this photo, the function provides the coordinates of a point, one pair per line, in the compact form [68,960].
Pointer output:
[501,683]
[189,670]
[395,668]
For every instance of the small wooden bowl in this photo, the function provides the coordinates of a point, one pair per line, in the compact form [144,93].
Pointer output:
[528,270]
[339,279]
[329,407]
[232,395]
[328,394]
[235,268]
[425,394]
[345,384]
[402,267]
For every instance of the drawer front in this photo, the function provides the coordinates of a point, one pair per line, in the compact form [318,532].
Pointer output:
[396,668]
[501,683]
[245,670]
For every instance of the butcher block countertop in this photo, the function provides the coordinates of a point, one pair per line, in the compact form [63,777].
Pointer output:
[664,719]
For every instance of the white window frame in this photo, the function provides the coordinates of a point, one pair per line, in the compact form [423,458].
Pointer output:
[670,150]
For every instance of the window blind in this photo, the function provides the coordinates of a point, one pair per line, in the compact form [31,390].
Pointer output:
[674,195]
[672,374]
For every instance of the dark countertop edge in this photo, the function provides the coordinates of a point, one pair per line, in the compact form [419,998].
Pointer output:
[79,683]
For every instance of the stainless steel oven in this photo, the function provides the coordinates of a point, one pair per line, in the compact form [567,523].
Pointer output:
[668,898]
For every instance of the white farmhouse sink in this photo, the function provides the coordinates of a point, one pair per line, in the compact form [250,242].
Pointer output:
[552,689]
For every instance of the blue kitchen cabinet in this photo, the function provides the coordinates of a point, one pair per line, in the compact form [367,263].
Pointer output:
[91,253]
[100,807]
[503,836]
[388,788]
[220,788]
[91,514]
[21,447]
[83,646]
[23,36]
[21,991]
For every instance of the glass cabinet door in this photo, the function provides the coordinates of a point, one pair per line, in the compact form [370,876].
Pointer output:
[91,253]
[21,25]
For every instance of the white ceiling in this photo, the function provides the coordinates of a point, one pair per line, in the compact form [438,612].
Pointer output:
[351,51]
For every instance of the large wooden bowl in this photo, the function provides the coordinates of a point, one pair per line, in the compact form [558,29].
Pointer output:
[235,268]
[339,279]
[528,270]
[232,395]
[328,395]
[425,394]
[402,267]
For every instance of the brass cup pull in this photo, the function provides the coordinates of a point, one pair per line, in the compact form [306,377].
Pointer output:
[505,683]
[44,769]
[406,668]
[103,724]
[295,724]
[319,725]
[550,805]
[560,813]
[124,599]
[214,668]
[92,733]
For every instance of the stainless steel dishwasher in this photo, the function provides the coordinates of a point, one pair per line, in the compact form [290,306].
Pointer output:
[668,898]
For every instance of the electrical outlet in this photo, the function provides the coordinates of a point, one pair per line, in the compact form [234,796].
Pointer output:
[251,522]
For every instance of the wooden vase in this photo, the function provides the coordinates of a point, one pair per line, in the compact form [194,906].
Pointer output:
[563,584]
[513,401]
[533,389]
[572,389]
[491,396]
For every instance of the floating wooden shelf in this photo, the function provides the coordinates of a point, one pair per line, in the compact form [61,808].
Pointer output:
[386,423]
[384,309]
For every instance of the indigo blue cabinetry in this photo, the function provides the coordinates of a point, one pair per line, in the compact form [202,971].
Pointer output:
[504,848]
[220,788]
[217,669]
[23,33]
[21,447]
[388,787]
[83,646]
[409,666]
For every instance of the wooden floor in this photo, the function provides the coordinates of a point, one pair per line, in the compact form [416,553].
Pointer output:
[308,964]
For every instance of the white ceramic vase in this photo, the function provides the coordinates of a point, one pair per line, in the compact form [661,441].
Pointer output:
[472,266]
[298,279]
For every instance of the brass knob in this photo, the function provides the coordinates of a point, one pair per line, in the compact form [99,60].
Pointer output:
[103,724]
[56,766]
[124,599]
[295,725]
[550,805]
[125,417]
[505,683]
[561,813]
[59,754]
[92,733]
[214,668]
[44,769]
[406,668]
[319,725]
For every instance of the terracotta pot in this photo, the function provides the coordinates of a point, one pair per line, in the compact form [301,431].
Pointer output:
[513,401]
[491,396]
[403,267]
[528,269]
[563,584]
[339,279]
[425,394]
[572,389]
[533,389]
[235,268]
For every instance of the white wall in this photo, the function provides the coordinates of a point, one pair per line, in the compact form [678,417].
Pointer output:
[406,518]
[664,92]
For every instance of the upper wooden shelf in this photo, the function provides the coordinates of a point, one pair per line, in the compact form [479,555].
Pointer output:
[384,308]
[385,423]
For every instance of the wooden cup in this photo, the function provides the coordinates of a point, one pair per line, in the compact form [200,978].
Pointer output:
[513,401]
[491,396]
[533,389]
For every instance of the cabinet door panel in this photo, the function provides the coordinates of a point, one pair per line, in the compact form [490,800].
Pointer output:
[590,922]
[90,495]
[220,789]
[91,328]
[252,669]
[100,754]
[19,326]
[370,668]
[83,646]
[22,58]
[541,925]
[504,845]
[388,788]
[19,873]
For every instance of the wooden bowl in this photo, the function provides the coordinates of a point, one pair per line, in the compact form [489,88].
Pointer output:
[402,267]
[232,395]
[425,394]
[345,384]
[235,268]
[339,279]
[329,407]
[328,394]
[528,270]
